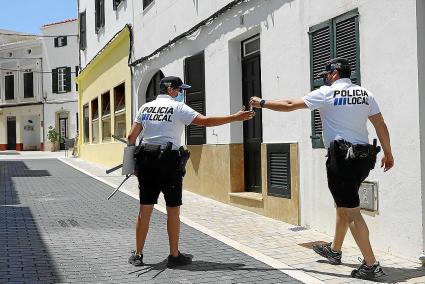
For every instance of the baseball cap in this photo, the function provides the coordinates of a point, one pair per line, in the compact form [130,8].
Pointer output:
[173,82]
[335,64]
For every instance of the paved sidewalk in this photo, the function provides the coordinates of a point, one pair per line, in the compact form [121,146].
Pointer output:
[269,240]
[57,227]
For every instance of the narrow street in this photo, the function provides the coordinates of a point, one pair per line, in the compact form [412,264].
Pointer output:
[57,226]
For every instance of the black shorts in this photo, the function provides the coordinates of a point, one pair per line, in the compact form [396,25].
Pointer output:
[344,180]
[156,174]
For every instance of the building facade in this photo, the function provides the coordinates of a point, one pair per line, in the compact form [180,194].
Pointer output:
[61,63]
[105,79]
[37,86]
[275,164]
[21,100]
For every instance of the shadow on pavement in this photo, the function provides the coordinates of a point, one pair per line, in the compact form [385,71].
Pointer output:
[199,265]
[392,274]
[24,257]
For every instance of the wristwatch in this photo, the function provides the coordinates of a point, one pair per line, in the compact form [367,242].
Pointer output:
[262,102]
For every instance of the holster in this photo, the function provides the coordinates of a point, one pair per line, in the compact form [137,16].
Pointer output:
[184,157]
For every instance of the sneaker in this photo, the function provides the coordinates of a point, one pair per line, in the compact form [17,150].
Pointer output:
[136,259]
[180,260]
[326,251]
[368,272]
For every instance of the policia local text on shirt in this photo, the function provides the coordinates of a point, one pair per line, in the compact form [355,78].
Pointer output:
[344,109]
[159,160]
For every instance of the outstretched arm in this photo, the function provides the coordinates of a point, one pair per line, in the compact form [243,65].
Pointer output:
[209,121]
[279,105]
[384,137]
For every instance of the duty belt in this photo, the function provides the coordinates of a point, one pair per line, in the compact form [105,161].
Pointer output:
[358,150]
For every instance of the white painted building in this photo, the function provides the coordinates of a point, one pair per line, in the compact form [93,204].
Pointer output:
[60,65]
[274,49]
[101,20]
[37,86]
[21,109]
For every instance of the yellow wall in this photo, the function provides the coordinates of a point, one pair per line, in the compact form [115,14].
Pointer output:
[217,172]
[108,70]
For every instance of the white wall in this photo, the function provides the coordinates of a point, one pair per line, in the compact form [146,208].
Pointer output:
[114,22]
[21,60]
[66,56]
[388,68]
[55,57]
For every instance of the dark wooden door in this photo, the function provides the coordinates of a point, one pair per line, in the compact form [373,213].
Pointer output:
[11,133]
[252,129]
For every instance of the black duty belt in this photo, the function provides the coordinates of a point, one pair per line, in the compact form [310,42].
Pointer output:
[355,151]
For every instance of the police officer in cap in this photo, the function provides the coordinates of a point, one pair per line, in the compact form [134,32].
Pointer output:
[344,109]
[159,160]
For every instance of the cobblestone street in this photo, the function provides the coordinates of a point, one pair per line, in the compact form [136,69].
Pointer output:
[57,226]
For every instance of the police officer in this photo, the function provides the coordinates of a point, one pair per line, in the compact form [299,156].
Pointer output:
[159,160]
[345,108]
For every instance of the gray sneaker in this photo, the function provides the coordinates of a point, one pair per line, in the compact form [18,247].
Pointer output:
[180,260]
[326,251]
[368,272]
[136,259]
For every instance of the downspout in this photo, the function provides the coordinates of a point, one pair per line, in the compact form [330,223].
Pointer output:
[133,95]
[42,96]
[420,30]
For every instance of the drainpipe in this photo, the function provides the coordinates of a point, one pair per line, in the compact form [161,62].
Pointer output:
[42,96]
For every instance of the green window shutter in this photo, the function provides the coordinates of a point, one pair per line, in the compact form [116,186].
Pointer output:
[338,37]
[56,42]
[82,36]
[55,81]
[68,79]
[194,67]
[346,41]
[321,50]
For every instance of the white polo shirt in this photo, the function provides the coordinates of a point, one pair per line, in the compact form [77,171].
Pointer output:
[344,109]
[163,120]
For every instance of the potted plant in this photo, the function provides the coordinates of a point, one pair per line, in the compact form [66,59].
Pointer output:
[53,137]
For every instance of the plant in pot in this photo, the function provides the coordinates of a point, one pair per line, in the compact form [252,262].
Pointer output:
[53,137]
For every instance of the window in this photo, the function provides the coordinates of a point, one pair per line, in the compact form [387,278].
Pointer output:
[28,85]
[195,96]
[119,104]
[61,80]
[95,121]
[116,3]
[251,46]
[86,125]
[99,14]
[83,33]
[146,3]
[153,87]
[337,37]
[106,117]
[60,41]
[9,87]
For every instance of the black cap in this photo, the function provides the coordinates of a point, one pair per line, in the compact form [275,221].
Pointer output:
[173,82]
[338,63]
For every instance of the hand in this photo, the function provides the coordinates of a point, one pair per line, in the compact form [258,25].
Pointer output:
[255,102]
[244,114]
[387,162]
